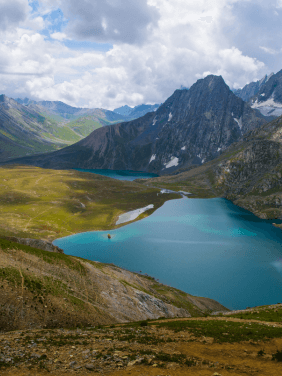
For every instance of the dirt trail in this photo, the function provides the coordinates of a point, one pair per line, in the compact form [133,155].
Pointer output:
[225,318]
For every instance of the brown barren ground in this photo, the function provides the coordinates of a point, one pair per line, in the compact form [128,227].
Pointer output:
[138,350]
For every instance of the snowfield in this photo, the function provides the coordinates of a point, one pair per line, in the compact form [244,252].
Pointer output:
[174,162]
[130,216]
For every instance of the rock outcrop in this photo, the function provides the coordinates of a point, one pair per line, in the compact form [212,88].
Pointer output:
[36,243]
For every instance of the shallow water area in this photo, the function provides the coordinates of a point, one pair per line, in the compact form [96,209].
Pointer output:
[120,174]
[206,247]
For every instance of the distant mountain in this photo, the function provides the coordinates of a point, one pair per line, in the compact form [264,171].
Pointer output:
[137,111]
[142,110]
[264,95]
[251,89]
[192,126]
[124,110]
[269,97]
[24,131]
[37,127]
[68,112]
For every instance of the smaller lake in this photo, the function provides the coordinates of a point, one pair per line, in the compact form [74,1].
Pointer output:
[206,247]
[120,174]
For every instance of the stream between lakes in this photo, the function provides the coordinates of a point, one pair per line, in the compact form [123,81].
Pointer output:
[206,247]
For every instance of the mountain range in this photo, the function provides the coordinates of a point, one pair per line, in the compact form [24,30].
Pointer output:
[190,128]
[137,111]
[24,131]
[264,95]
[28,127]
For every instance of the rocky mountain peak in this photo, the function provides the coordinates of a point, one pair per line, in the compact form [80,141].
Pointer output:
[4,98]
[269,96]
[190,128]
[8,102]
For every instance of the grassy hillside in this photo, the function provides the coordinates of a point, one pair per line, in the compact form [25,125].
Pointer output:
[41,289]
[48,204]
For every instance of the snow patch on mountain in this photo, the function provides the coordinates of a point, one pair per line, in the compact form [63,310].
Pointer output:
[169,116]
[239,122]
[153,157]
[268,103]
[173,162]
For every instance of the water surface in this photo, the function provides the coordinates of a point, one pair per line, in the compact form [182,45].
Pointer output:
[206,247]
[120,174]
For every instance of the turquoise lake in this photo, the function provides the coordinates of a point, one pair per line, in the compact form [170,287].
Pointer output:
[120,174]
[206,247]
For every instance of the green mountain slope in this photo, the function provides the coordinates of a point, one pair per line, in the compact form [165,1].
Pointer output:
[45,126]
[23,131]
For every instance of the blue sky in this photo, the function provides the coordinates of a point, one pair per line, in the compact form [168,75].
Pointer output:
[108,53]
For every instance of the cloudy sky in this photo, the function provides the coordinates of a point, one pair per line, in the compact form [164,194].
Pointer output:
[107,53]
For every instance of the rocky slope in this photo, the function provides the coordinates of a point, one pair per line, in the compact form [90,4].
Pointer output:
[249,173]
[252,176]
[41,289]
[251,89]
[269,97]
[264,95]
[192,126]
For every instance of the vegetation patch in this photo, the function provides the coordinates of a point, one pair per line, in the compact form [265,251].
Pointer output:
[224,331]
[268,313]
[48,204]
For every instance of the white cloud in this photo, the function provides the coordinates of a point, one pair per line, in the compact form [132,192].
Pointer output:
[12,13]
[270,51]
[116,21]
[158,46]
[58,36]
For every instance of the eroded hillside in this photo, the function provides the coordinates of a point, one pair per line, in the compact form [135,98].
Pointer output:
[41,289]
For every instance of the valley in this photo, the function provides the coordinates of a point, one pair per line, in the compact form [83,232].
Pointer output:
[28,127]
[48,204]
[71,313]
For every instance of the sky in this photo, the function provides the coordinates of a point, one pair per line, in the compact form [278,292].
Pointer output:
[110,53]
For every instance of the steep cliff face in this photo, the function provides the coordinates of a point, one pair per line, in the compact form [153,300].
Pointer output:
[192,126]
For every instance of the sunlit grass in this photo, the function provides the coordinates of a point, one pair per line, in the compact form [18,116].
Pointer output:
[40,203]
